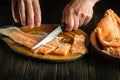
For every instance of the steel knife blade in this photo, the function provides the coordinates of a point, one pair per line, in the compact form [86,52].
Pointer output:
[50,36]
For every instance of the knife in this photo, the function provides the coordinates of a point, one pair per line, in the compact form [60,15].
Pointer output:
[51,36]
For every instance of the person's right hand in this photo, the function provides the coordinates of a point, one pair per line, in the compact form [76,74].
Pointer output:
[78,13]
[27,12]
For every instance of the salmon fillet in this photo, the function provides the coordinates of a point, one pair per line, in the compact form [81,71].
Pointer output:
[48,47]
[63,49]
[55,46]
[78,45]
[108,32]
[58,47]
[45,49]
[26,39]
[55,42]
[108,29]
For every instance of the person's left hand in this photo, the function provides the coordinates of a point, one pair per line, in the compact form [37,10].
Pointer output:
[78,13]
[27,12]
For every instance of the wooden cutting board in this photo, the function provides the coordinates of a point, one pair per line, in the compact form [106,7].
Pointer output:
[47,28]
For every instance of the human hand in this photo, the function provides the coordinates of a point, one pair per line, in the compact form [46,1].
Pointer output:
[78,13]
[27,12]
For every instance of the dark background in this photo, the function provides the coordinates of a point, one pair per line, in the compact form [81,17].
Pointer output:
[91,67]
[52,10]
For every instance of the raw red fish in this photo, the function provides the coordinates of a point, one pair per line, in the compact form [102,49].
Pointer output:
[26,39]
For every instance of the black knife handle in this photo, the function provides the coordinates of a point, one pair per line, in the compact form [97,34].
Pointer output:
[63,26]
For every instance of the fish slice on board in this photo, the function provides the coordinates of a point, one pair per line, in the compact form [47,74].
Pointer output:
[26,39]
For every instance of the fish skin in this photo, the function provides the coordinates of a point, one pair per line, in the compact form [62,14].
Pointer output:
[17,35]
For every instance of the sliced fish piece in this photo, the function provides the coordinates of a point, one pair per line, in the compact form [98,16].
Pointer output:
[48,47]
[63,49]
[44,49]
[78,45]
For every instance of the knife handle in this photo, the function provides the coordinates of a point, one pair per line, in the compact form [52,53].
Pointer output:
[63,26]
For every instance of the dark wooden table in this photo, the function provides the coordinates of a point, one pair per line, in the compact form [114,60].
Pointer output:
[91,67]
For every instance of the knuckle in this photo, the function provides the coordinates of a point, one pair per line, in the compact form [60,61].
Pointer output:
[69,10]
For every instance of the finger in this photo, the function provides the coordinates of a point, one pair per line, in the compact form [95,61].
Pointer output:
[37,12]
[81,19]
[22,12]
[76,22]
[69,21]
[30,14]
[15,12]
[87,20]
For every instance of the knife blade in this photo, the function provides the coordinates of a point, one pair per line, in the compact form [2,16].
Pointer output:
[51,36]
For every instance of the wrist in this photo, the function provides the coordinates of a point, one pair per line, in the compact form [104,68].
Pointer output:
[92,2]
